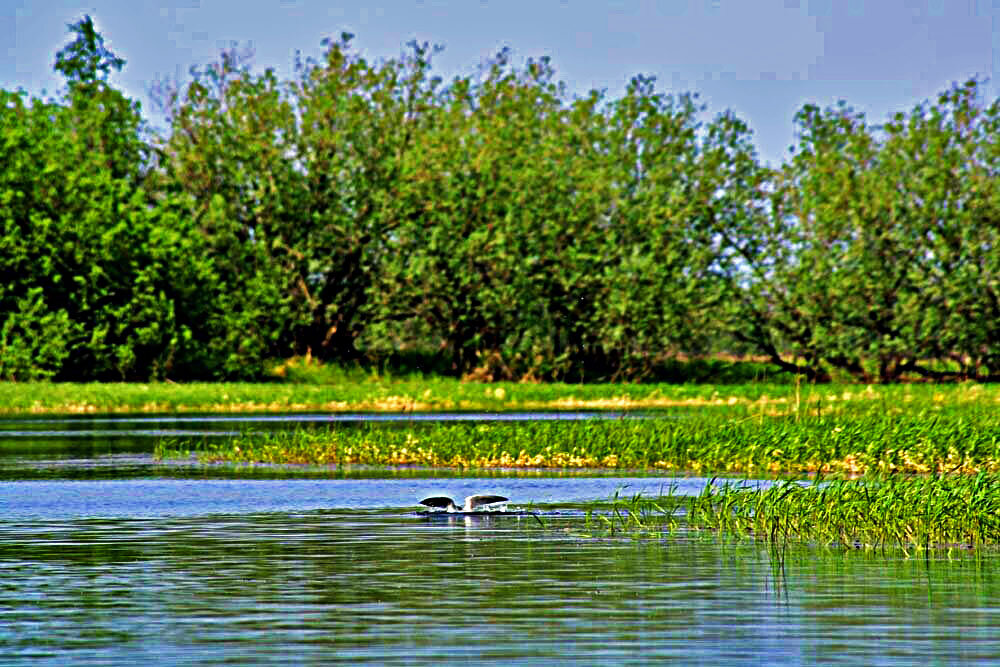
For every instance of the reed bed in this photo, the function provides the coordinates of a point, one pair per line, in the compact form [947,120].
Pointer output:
[874,513]
[958,438]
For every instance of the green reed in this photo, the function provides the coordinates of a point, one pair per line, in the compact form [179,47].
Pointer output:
[873,513]
[637,515]
[726,440]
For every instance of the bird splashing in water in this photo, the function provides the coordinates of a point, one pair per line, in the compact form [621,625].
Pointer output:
[472,503]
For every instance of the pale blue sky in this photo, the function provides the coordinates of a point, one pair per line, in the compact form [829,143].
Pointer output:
[761,58]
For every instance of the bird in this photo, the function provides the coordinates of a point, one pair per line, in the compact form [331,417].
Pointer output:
[471,502]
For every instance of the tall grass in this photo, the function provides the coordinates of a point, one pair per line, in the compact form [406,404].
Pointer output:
[875,513]
[957,438]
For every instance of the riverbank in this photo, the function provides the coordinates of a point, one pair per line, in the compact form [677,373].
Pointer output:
[419,394]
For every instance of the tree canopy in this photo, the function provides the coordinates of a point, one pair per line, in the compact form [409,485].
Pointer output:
[492,225]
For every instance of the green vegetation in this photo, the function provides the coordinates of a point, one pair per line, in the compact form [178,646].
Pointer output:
[492,226]
[371,393]
[900,429]
[878,512]
[368,215]
[928,459]
[414,393]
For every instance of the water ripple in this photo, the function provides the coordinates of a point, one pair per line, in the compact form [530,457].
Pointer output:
[387,588]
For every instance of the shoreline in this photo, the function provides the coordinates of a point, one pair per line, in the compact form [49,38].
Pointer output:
[438,394]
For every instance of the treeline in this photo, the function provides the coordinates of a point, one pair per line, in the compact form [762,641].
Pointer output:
[492,225]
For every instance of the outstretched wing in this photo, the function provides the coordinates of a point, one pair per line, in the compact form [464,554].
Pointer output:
[472,502]
[438,501]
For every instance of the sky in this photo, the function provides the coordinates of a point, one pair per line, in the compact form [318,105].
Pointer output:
[762,59]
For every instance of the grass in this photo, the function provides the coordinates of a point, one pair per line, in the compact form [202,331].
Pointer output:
[359,392]
[874,513]
[377,394]
[847,437]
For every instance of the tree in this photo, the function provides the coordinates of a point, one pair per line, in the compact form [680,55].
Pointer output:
[100,279]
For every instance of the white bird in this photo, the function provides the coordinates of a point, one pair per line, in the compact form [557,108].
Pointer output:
[471,502]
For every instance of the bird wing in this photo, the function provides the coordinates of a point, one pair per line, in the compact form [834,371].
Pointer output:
[473,502]
[438,501]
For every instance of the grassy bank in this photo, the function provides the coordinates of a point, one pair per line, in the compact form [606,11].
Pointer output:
[385,394]
[848,437]
[879,512]
[373,394]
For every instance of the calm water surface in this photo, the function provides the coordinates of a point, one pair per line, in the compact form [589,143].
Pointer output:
[166,564]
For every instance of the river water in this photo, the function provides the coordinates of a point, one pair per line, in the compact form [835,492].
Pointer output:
[110,557]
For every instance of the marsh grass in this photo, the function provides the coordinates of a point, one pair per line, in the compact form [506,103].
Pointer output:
[637,515]
[349,391]
[875,513]
[728,439]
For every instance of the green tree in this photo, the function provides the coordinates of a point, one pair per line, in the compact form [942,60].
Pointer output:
[488,266]
[95,270]
[359,123]
[228,153]
[874,253]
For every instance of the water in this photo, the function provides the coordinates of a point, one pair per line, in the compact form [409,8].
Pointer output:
[222,425]
[163,566]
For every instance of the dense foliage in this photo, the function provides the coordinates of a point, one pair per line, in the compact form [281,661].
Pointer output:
[493,225]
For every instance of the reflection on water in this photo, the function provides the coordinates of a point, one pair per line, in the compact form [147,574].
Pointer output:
[388,587]
[109,557]
[215,424]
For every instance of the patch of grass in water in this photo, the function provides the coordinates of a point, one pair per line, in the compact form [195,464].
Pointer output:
[875,513]
[726,441]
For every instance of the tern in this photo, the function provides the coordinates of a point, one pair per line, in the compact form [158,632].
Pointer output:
[471,502]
